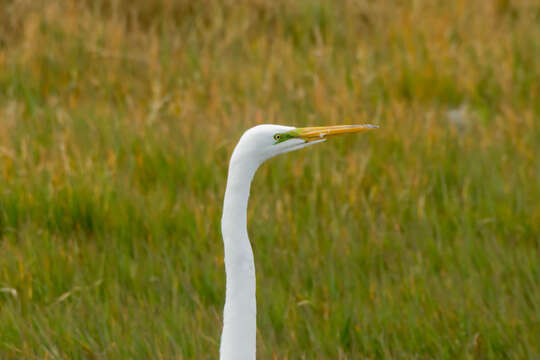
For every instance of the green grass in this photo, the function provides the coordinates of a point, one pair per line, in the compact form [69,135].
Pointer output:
[417,241]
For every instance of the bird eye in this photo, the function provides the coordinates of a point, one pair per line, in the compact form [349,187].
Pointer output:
[277,137]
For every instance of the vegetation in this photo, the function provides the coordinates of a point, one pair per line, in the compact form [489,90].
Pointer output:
[417,241]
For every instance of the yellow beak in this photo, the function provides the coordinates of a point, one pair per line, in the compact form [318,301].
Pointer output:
[321,132]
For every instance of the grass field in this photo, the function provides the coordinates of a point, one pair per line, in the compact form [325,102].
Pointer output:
[416,241]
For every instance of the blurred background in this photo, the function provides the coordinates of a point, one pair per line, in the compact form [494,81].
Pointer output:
[419,240]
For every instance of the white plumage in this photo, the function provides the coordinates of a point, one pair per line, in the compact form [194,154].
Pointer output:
[238,339]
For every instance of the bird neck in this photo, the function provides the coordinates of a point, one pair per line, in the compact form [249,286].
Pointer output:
[238,339]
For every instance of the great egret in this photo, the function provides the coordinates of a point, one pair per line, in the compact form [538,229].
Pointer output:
[255,146]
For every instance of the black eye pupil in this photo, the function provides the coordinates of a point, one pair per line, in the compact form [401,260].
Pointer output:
[277,137]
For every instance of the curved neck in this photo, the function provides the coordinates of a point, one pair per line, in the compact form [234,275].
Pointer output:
[239,316]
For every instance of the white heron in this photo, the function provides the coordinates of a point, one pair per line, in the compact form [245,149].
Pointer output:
[254,147]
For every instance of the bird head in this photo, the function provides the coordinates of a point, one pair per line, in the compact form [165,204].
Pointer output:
[265,141]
